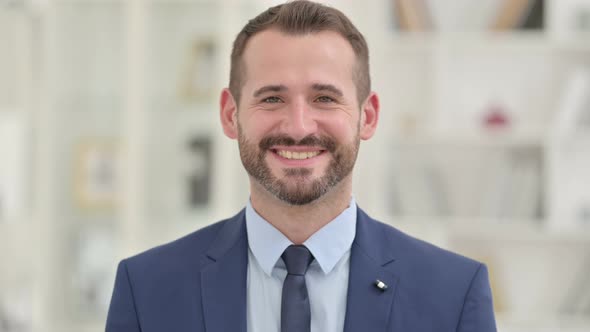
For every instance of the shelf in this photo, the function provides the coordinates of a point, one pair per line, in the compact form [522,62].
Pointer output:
[495,230]
[486,40]
[95,326]
[478,41]
[481,138]
[577,139]
[521,234]
[574,44]
[510,323]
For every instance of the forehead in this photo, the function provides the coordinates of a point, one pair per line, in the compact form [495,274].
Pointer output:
[272,54]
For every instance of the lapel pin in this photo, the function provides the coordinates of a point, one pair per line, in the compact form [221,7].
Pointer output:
[381,285]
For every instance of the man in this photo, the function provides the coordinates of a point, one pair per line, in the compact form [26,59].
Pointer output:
[301,256]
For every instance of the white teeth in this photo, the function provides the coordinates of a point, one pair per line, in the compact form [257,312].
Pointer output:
[297,155]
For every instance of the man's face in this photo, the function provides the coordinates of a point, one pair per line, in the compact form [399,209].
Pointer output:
[298,119]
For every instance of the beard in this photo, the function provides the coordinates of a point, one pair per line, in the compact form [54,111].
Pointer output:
[295,186]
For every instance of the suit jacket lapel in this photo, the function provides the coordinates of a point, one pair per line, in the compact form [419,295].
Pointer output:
[223,280]
[368,307]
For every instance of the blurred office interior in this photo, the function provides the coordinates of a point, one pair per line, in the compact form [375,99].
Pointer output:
[110,144]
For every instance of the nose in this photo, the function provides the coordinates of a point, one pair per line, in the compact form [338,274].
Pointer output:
[299,120]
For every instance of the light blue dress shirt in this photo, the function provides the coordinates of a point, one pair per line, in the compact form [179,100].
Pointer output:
[326,278]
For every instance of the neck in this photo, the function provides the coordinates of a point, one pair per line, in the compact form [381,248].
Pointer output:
[299,222]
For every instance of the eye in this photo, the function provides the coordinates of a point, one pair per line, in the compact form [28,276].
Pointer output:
[272,100]
[325,99]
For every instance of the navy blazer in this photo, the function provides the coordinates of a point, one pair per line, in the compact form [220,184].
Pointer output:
[198,283]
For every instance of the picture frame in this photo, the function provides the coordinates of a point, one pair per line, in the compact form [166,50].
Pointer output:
[198,69]
[199,167]
[96,174]
[179,170]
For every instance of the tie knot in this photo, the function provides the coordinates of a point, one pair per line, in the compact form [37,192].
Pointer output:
[297,259]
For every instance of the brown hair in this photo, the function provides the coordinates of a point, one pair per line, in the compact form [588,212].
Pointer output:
[298,18]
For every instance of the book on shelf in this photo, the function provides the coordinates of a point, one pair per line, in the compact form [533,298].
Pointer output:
[525,196]
[12,165]
[576,301]
[496,186]
[467,15]
[461,172]
[570,197]
[568,20]
[462,15]
[412,15]
[514,14]
[490,183]
[417,185]
[536,16]
[573,112]
[569,158]
[16,310]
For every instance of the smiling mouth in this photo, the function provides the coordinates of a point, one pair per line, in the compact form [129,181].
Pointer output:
[297,155]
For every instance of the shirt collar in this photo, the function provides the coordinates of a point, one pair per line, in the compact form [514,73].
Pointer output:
[328,245]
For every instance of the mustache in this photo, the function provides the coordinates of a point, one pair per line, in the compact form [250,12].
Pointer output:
[323,142]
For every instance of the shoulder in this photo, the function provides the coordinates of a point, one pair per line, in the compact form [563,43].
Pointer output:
[445,287]
[187,252]
[418,256]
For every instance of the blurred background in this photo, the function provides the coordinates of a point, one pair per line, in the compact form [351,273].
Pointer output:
[110,143]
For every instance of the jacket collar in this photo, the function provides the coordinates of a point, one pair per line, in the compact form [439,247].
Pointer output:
[223,278]
[371,260]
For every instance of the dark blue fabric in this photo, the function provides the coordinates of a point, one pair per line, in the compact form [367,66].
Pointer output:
[199,283]
[295,310]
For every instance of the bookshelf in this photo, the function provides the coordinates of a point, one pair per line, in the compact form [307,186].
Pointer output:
[112,96]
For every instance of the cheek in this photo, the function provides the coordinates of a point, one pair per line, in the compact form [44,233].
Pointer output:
[342,127]
[256,127]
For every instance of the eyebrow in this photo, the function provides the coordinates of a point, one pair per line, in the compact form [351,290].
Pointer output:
[280,88]
[269,88]
[327,87]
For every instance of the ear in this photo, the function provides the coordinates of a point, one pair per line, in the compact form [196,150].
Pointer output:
[369,116]
[228,114]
